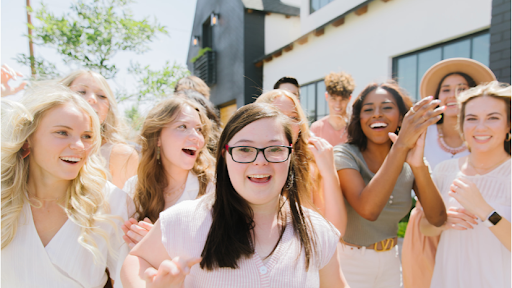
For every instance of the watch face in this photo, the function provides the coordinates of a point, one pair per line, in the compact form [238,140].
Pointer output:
[494,218]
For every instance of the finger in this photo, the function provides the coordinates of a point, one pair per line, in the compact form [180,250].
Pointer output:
[184,264]
[392,136]
[460,222]
[148,220]
[462,210]
[149,274]
[125,228]
[421,113]
[456,227]
[128,241]
[21,87]
[461,215]
[146,225]
[139,230]
[132,221]
[135,237]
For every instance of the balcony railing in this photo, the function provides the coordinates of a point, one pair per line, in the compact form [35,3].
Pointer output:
[205,68]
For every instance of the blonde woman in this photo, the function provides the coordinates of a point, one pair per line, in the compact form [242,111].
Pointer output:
[175,166]
[121,159]
[475,187]
[318,153]
[60,216]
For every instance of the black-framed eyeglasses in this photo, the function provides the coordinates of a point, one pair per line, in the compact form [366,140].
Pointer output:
[248,154]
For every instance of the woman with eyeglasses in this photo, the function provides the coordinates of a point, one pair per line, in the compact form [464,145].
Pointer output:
[474,249]
[247,234]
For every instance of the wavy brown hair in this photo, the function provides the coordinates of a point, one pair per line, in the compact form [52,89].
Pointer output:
[231,233]
[149,198]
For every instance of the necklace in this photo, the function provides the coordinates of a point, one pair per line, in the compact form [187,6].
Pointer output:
[486,170]
[176,192]
[43,199]
[447,148]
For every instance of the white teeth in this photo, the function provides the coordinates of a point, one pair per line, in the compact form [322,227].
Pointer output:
[379,125]
[451,104]
[259,176]
[71,159]
[191,148]
[482,137]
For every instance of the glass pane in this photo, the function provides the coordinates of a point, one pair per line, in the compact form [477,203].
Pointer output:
[303,98]
[426,60]
[311,112]
[315,5]
[481,49]
[457,49]
[406,74]
[321,104]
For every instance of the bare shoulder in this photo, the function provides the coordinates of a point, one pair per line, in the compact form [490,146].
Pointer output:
[123,153]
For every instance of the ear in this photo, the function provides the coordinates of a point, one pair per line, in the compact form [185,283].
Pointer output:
[25,150]
[350,97]
[326,95]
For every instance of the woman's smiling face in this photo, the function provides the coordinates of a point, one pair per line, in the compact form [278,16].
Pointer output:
[379,116]
[452,86]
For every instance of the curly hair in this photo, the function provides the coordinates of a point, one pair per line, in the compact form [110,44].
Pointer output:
[114,127]
[495,89]
[194,83]
[85,202]
[152,180]
[339,84]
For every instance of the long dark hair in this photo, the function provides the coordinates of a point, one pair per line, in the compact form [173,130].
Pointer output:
[231,233]
[355,132]
[471,84]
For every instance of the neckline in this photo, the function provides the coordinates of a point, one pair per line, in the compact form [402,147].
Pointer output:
[462,160]
[31,217]
[281,246]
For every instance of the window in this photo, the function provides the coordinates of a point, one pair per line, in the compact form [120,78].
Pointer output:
[312,100]
[315,5]
[409,69]
[207,34]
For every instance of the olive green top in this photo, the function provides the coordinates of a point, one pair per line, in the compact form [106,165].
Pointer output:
[363,232]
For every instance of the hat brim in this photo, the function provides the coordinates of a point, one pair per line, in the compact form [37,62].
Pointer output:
[476,70]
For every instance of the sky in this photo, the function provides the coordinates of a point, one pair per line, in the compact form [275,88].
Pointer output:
[176,15]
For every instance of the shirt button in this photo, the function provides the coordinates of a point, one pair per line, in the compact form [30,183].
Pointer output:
[391,197]
[390,201]
[263,270]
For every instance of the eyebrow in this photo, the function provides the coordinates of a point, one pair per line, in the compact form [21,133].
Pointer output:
[67,127]
[383,102]
[492,113]
[250,141]
[460,84]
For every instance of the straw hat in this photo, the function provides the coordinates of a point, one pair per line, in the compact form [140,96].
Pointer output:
[476,70]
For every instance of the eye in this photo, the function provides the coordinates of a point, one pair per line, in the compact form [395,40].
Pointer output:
[87,136]
[276,149]
[494,118]
[387,107]
[244,149]
[81,92]
[295,119]
[102,96]
[445,90]
[182,126]
[368,110]
[199,129]
[470,119]
[62,133]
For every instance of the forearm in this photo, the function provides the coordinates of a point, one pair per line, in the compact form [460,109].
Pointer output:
[429,196]
[428,229]
[501,230]
[132,273]
[334,203]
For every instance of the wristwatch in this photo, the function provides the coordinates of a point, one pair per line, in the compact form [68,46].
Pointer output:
[492,219]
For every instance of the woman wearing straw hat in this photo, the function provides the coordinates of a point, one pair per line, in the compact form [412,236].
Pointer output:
[444,80]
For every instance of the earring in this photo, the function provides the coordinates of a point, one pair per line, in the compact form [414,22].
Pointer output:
[397,130]
[158,154]
[508,137]
[25,150]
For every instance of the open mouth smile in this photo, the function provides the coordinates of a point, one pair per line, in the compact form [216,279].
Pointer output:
[71,160]
[192,151]
[259,178]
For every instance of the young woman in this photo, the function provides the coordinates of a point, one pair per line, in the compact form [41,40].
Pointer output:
[445,80]
[316,151]
[175,165]
[195,83]
[376,178]
[247,234]
[121,159]
[60,216]
[476,186]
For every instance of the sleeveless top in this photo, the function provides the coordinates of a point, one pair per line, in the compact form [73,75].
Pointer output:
[185,227]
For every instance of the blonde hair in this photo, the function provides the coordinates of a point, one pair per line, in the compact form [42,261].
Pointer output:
[84,202]
[300,147]
[152,180]
[493,89]
[193,83]
[114,127]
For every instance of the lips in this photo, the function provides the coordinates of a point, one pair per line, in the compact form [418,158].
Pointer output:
[71,160]
[378,125]
[190,151]
[451,104]
[260,178]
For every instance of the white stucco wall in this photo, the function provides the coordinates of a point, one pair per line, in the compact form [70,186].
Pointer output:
[365,45]
[280,31]
[325,14]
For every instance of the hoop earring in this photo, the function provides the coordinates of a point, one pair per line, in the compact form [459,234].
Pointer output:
[508,137]
[158,154]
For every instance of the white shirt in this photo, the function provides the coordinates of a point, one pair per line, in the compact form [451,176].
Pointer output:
[64,262]
[433,152]
[189,193]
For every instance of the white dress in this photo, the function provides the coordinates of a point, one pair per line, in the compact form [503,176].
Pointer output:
[473,257]
[189,193]
[64,262]
[433,152]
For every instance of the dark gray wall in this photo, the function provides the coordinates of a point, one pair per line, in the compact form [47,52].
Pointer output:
[254,47]
[228,43]
[500,40]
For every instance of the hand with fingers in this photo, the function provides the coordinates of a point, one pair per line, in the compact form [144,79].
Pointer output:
[324,155]
[134,231]
[416,121]
[170,273]
[7,74]
[459,219]
[468,195]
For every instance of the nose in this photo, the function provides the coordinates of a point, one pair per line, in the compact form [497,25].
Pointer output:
[91,98]
[195,135]
[77,145]
[377,112]
[260,159]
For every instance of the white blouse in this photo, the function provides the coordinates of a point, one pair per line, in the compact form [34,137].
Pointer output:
[189,193]
[64,262]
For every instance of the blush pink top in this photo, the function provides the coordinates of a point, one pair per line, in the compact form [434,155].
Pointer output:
[185,228]
[323,129]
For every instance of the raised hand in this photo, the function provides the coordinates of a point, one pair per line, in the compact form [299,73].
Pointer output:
[324,156]
[171,273]
[134,231]
[7,74]
[468,195]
